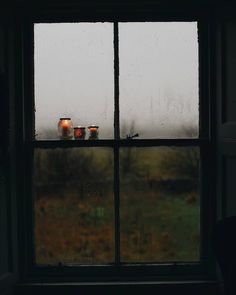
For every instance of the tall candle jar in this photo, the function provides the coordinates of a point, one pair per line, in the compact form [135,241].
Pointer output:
[65,128]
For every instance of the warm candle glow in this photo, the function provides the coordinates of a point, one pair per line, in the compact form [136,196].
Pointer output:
[65,124]
[65,128]
[79,132]
[93,132]
[93,129]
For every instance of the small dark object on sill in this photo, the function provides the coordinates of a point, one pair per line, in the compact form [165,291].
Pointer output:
[129,136]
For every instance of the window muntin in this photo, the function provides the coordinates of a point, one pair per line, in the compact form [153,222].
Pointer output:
[117,149]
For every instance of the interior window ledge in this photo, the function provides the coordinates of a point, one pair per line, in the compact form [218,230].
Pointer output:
[194,287]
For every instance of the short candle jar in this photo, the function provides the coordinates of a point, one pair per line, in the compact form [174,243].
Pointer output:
[65,130]
[93,132]
[79,132]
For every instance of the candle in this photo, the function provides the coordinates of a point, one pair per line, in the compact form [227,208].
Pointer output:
[93,132]
[79,132]
[65,128]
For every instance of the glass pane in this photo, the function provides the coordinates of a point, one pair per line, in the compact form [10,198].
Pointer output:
[160,207]
[73,77]
[74,212]
[159,79]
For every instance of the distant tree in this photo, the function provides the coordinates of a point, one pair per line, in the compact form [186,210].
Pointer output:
[81,169]
[181,163]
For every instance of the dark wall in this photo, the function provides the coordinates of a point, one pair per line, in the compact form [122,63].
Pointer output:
[4,254]
[226,117]
[8,216]
[223,97]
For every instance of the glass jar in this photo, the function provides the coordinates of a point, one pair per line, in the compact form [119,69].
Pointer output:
[79,132]
[93,132]
[65,128]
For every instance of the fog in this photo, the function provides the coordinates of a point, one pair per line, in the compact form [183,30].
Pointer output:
[158,82]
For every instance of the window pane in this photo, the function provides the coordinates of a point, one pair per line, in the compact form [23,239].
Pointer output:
[74,76]
[160,207]
[74,212]
[159,79]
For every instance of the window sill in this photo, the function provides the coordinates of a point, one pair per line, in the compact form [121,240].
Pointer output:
[194,287]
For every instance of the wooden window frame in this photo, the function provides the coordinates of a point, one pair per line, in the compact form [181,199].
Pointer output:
[206,143]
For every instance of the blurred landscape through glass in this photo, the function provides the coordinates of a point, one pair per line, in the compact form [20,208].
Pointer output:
[159,187]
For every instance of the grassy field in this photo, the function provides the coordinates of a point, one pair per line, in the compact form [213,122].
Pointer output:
[74,205]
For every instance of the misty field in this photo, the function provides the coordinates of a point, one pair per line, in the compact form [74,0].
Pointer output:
[74,205]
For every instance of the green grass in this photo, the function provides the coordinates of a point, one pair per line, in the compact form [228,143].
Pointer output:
[74,208]
[163,228]
[162,225]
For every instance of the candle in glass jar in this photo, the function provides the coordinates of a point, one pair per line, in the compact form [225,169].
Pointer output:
[79,132]
[93,132]
[65,128]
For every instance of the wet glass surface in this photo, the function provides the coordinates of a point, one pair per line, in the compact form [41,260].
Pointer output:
[74,206]
[73,77]
[159,79]
[160,206]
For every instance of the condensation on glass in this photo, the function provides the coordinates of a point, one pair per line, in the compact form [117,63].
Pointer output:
[160,204]
[159,79]
[158,63]
[74,77]
[158,186]
[74,206]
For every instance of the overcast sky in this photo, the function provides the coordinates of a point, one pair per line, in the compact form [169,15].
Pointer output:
[158,77]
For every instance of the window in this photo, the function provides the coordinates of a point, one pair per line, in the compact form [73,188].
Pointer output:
[131,196]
